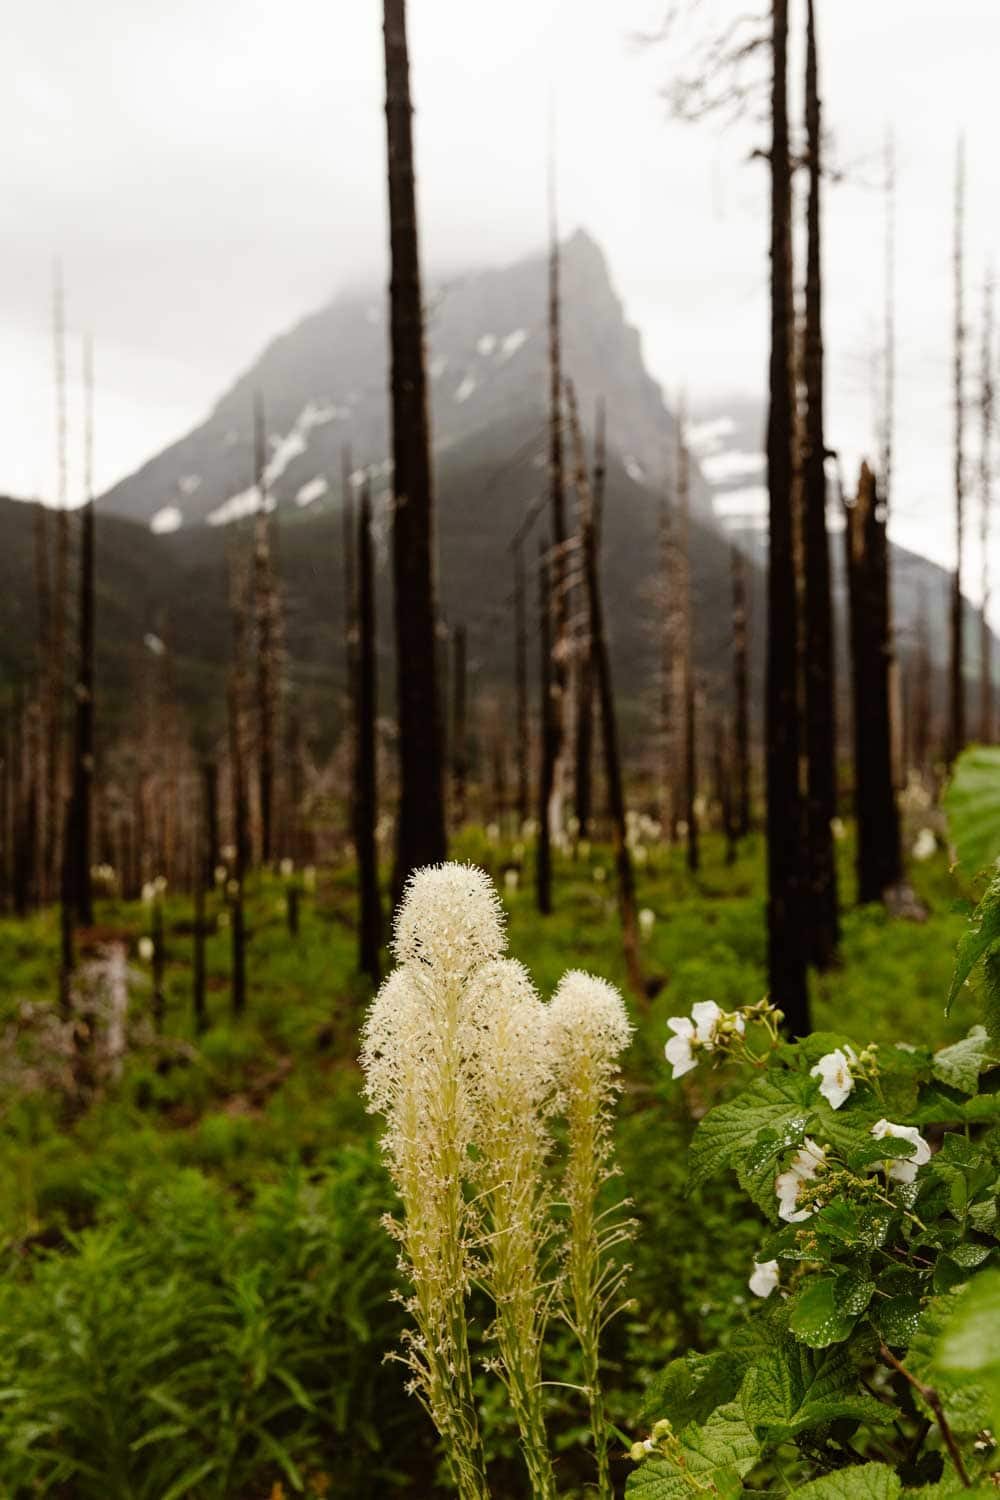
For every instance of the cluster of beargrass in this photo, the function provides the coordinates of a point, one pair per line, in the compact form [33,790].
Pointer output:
[475,1077]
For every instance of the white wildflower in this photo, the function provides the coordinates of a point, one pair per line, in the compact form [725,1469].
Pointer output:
[678,1051]
[707,1018]
[834,1071]
[765,1278]
[924,844]
[287,867]
[146,949]
[511,880]
[647,921]
[898,1170]
[805,1164]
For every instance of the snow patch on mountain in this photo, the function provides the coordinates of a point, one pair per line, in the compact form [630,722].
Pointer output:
[466,389]
[314,489]
[512,343]
[169,518]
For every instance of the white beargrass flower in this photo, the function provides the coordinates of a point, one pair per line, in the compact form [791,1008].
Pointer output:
[647,921]
[450,920]
[512,1086]
[924,844]
[146,949]
[764,1279]
[589,1028]
[511,880]
[805,1164]
[902,1170]
[418,1037]
[834,1071]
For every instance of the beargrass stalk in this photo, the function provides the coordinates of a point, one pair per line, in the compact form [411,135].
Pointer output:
[588,1029]
[417,1039]
[514,1087]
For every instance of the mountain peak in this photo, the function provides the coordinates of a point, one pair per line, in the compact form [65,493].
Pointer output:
[324,386]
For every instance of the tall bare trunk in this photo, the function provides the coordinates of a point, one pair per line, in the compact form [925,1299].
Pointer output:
[741,690]
[889,355]
[669,654]
[606,699]
[785,822]
[690,687]
[521,684]
[421,832]
[555,743]
[366,771]
[83,747]
[985,502]
[583,799]
[53,818]
[547,729]
[265,619]
[459,726]
[879,857]
[820,725]
[956,739]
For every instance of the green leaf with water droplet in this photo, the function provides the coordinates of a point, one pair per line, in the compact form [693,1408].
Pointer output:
[816,1319]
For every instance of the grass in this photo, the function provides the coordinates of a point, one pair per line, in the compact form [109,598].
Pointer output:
[203,1237]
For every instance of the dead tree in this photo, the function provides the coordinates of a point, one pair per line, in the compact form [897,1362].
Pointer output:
[785,822]
[265,619]
[921,669]
[985,502]
[879,858]
[421,838]
[548,732]
[83,743]
[555,743]
[521,684]
[820,725]
[889,353]
[57,640]
[67,906]
[605,695]
[741,690]
[459,727]
[583,800]
[723,768]
[204,870]
[956,666]
[690,696]
[669,660]
[366,752]
[240,810]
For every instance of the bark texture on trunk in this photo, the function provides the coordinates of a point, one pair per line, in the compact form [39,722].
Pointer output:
[956,669]
[879,858]
[366,753]
[785,821]
[606,700]
[421,836]
[820,726]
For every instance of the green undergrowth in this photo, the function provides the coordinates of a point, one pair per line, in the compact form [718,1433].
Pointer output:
[193,1280]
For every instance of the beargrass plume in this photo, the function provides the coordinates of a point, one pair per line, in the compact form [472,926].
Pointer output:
[470,1069]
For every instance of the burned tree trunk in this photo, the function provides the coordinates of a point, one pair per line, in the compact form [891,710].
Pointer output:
[204,872]
[521,685]
[605,695]
[57,640]
[669,631]
[879,859]
[366,774]
[241,840]
[83,747]
[555,743]
[823,927]
[264,616]
[459,727]
[421,831]
[985,503]
[585,678]
[956,667]
[741,691]
[785,822]
[683,573]
[548,731]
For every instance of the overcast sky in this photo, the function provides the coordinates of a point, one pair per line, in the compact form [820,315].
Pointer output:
[210,170]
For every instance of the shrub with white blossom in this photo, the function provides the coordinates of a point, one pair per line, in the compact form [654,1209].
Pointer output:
[869,1367]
